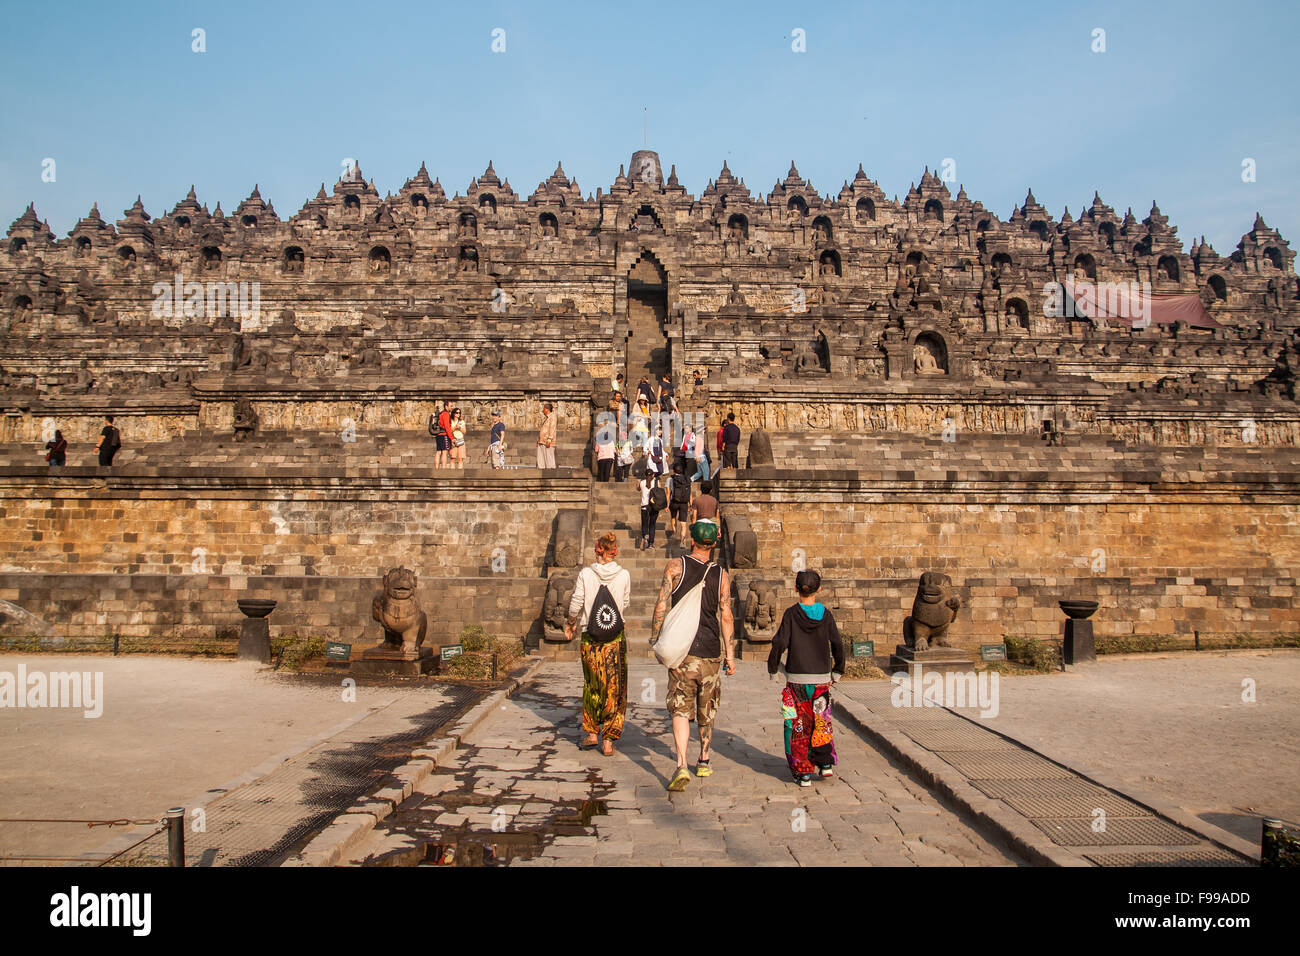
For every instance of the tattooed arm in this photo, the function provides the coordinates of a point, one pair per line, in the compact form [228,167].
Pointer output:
[672,573]
[728,623]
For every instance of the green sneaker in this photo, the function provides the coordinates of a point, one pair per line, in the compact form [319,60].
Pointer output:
[680,779]
[702,769]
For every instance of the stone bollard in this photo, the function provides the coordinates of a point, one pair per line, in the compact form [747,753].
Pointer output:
[255,632]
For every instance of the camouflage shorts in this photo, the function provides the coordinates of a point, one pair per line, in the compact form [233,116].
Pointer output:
[695,689]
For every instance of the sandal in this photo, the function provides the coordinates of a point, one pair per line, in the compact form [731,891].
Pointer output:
[702,768]
[590,741]
[680,779]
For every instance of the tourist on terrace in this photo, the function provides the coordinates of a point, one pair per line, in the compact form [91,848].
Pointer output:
[110,442]
[56,451]
[808,653]
[457,439]
[601,595]
[730,441]
[546,438]
[496,450]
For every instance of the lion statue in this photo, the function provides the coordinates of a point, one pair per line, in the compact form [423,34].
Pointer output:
[933,610]
[398,611]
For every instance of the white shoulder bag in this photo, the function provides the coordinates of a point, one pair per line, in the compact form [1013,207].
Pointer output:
[680,625]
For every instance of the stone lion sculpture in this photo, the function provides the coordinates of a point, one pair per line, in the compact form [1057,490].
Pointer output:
[555,606]
[398,611]
[933,609]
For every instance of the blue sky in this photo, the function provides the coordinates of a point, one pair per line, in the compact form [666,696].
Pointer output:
[1011,91]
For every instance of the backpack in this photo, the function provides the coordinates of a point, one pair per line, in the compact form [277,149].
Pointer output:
[658,498]
[114,438]
[604,623]
[681,490]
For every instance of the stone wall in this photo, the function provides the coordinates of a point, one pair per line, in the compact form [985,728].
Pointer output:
[192,610]
[1162,558]
[995,606]
[165,553]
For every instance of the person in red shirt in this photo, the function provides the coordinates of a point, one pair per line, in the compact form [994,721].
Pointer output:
[442,438]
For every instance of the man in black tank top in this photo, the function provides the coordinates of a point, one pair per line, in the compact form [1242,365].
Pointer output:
[695,687]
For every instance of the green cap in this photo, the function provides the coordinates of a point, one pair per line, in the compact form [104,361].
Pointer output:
[705,532]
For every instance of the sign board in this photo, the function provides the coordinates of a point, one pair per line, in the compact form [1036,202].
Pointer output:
[452,650]
[993,652]
[337,651]
[864,648]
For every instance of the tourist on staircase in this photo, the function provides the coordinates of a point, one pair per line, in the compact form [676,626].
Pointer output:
[679,504]
[653,500]
[605,451]
[601,596]
[704,628]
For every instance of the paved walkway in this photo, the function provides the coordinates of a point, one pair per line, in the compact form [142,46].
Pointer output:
[1175,726]
[521,790]
[177,731]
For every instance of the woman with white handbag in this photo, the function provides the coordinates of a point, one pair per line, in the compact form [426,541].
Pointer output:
[693,633]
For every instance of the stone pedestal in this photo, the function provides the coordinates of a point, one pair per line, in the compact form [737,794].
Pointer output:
[385,661]
[1079,646]
[255,640]
[937,659]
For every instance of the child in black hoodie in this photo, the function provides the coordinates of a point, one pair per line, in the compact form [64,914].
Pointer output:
[810,643]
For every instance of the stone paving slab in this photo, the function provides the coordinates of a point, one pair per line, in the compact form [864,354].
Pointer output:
[748,813]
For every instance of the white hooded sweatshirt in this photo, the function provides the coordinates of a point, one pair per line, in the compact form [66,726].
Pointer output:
[590,578]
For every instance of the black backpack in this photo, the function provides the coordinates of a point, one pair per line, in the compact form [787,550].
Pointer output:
[658,498]
[114,440]
[604,623]
[681,490]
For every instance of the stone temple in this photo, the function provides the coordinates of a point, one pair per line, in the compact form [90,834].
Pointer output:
[928,406]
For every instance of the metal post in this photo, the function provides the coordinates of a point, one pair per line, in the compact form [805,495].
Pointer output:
[494,665]
[116,639]
[175,821]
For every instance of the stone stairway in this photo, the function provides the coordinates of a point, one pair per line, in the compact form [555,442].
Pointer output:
[616,506]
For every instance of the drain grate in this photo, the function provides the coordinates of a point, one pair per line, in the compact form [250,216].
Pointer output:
[1198,857]
[1003,765]
[1058,798]
[1120,831]
[944,737]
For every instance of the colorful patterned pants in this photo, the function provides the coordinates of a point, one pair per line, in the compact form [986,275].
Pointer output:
[604,686]
[809,738]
